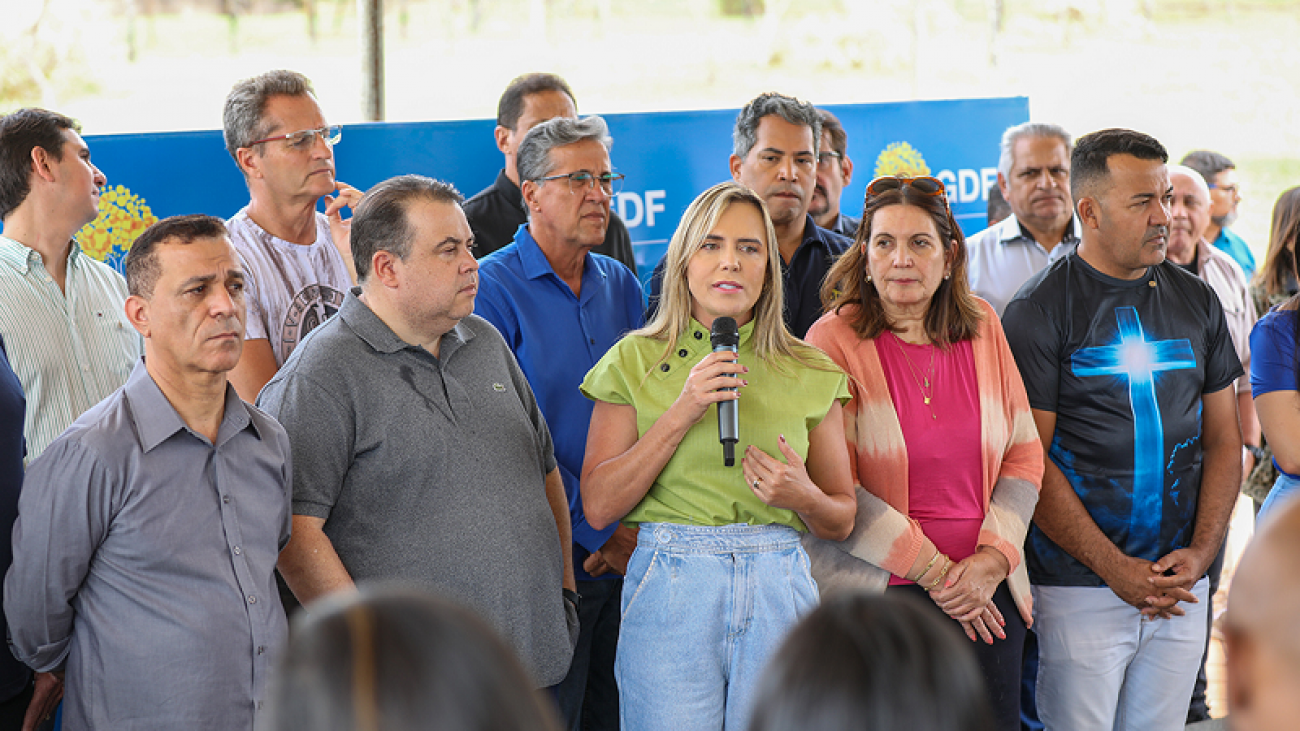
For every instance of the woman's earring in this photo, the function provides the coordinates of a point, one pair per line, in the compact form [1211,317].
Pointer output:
[868,277]
[948,275]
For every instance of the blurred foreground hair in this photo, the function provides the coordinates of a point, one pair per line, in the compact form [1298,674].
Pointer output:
[871,661]
[399,660]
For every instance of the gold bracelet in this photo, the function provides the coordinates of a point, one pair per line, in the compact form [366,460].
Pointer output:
[942,574]
[926,570]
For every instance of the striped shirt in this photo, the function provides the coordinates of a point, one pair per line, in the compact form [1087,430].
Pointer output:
[70,351]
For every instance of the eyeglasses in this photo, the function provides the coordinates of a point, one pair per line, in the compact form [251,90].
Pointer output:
[1233,189]
[824,159]
[303,139]
[583,181]
[925,185]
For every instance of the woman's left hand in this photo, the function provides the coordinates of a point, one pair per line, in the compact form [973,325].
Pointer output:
[970,584]
[781,485]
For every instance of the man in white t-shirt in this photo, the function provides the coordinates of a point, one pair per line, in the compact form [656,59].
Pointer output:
[298,261]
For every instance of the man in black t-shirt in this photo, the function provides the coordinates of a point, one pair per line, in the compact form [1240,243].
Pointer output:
[1129,369]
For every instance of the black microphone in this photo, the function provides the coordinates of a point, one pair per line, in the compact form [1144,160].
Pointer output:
[725,336]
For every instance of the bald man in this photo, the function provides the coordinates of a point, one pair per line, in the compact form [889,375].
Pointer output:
[1263,647]
[1189,249]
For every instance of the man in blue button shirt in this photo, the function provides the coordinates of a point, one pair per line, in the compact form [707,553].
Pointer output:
[560,307]
[147,534]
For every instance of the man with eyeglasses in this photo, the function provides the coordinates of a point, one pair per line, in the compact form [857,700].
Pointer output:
[496,212]
[298,260]
[775,145]
[1225,193]
[834,173]
[560,306]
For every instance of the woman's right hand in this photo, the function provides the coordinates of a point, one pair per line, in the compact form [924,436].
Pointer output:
[706,383]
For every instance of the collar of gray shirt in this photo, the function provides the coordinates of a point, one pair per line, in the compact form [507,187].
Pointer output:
[1014,232]
[156,419]
[367,326]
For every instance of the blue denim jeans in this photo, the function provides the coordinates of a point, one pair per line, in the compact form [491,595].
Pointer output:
[1283,490]
[703,610]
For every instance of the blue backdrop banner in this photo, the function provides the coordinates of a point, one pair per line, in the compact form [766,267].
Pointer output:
[668,157]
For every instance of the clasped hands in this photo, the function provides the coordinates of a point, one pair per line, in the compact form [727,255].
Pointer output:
[965,591]
[1156,588]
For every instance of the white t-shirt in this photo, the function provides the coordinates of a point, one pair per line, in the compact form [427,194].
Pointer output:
[291,288]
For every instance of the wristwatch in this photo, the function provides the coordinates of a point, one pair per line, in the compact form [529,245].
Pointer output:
[1256,452]
[573,598]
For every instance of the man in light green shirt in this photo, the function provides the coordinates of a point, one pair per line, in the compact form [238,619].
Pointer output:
[63,321]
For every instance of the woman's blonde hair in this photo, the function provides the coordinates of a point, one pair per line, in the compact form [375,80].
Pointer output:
[772,341]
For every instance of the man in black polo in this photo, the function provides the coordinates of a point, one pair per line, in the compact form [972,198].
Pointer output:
[496,212]
[775,155]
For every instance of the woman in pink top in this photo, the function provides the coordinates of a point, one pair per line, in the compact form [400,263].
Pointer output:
[939,430]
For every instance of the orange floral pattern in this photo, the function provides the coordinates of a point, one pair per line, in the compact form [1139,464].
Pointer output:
[123,216]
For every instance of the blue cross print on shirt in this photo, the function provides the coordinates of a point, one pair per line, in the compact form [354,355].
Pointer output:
[1140,360]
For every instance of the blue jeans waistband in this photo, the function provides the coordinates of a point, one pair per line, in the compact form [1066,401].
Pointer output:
[740,537]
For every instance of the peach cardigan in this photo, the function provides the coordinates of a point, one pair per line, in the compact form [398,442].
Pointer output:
[884,540]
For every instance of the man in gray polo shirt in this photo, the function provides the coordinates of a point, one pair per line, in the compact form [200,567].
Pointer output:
[420,452]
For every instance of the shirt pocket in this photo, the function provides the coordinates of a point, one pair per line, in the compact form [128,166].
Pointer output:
[116,346]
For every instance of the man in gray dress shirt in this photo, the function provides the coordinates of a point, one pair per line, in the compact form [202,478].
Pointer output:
[148,532]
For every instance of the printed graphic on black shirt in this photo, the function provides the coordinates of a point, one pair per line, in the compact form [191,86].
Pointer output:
[1124,365]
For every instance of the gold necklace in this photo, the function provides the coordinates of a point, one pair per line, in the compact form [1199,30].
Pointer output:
[922,384]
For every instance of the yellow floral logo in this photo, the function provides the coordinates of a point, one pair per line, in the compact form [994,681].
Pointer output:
[123,216]
[900,158]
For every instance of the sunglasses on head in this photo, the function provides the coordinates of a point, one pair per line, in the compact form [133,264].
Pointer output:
[924,185]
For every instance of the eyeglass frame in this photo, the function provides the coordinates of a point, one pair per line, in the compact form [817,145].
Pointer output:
[1234,189]
[331,135]
[827,155]
[601,179]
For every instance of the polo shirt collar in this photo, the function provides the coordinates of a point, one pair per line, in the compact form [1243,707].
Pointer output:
[531,256]
[156,420]
[374,332]
[536,265]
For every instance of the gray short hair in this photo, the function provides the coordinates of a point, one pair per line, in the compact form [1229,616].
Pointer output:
[1029,129]
[534,156]
[1208,163]
[745,135]
[242,119]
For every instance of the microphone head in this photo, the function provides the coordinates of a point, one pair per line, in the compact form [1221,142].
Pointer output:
[724,334]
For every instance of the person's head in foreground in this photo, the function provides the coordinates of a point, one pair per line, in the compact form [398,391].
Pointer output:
[872,661]
[395,660]
[1263,648]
